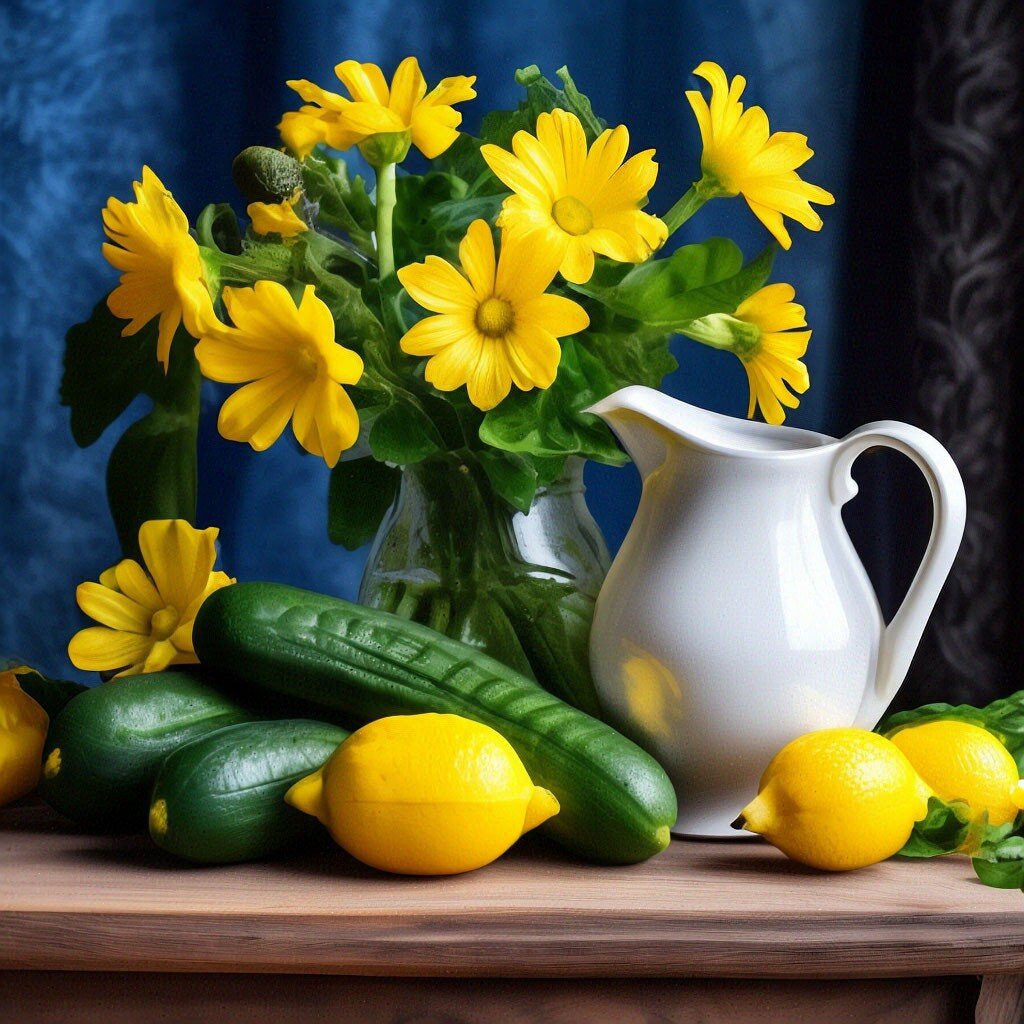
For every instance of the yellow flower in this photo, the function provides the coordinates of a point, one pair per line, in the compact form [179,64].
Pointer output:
[277,218]
[296,370]
[163,271]
[772,361]
[405,110]
[578,202]
[147,613]
[741,157]
[495,327]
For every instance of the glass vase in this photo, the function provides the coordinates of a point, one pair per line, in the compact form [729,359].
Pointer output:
[455,556]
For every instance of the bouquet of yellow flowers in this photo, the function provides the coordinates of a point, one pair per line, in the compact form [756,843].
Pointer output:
[437,340]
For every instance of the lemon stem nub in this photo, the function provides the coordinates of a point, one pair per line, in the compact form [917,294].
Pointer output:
[757,815]
[307,795]
[543,805]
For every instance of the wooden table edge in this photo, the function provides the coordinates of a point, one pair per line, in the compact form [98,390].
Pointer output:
[496,945]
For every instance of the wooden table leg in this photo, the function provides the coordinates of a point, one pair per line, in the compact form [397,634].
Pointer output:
[1001,1000]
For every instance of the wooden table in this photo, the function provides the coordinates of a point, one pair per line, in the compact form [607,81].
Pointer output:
[111,930]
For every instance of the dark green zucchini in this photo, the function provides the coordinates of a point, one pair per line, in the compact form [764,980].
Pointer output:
[105,748]
[617,804]
[220,799]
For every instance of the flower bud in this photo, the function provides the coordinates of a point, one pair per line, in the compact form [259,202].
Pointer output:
[265,175]
[386,148]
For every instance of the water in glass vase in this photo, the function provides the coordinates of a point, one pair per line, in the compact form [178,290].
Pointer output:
[455,556]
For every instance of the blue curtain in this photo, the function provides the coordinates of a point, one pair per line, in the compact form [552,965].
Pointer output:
[91,90]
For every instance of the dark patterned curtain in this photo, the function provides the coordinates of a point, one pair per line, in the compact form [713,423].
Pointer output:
[947,76]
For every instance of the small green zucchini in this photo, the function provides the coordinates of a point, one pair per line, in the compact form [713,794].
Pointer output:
[220,798]
[105,748]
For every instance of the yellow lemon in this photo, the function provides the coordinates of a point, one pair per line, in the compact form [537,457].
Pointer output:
[961,761]
[838,799]
[23,725]
[424,795]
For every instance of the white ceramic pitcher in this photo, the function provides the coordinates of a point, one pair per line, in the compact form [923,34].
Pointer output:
[737,614]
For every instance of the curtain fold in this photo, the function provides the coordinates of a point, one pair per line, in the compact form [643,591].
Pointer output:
[968,260]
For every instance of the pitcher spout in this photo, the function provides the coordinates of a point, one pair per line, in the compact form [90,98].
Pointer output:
[651,425]
[632,415]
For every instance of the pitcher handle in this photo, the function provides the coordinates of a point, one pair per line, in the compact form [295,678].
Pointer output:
[901,637]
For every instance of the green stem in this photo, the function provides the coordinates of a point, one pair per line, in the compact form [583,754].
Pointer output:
[386,198]
[696,196]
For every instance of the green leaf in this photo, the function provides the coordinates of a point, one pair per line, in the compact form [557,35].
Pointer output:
[152,475]
[513,476]
[541,96]
[551,422]
[343,204]
[403,434]
[152,469]
[217,228]
[1001,865]
[433,213]
[316,261]
[943,830]
[695,281]
[104,372]
[360,493]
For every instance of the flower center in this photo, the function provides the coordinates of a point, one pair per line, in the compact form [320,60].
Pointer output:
[495,317]
[306,362]
[163,623]
[572,215]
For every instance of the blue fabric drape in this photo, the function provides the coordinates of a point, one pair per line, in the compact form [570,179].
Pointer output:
[91,90]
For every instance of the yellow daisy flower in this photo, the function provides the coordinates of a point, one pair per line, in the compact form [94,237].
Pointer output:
[147,612]
[495,326]
[277,218]
[741,158]
[405,110]
[579,202]
[295,370]
[163,271]
[772,361]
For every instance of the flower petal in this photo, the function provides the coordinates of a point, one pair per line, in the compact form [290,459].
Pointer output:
[179,558]
[578,263]
[365,82]
[533,354]
[528,263]
[132,581]
[258,412]
[491,379]
[476,255]
[515,175]
[555,314]
[113,609]
[436,285]
[98,649]
[326,422]
[453,366]
[434,333]
[408,87]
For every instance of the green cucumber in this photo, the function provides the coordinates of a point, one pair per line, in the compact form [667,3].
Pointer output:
[617,804]
[220,798]
[105,748]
